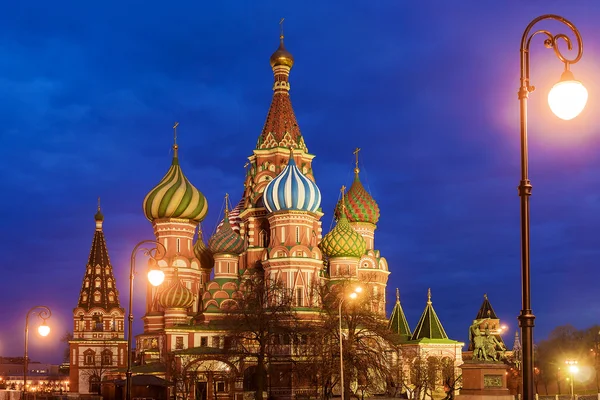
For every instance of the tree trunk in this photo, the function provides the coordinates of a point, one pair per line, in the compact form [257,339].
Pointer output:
[260,376]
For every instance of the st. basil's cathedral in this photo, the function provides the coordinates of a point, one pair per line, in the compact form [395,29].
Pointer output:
[275,228]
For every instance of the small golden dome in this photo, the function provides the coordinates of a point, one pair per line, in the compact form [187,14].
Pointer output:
[282,56]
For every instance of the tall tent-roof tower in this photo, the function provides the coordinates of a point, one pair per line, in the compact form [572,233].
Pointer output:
[398,323]
[429,325]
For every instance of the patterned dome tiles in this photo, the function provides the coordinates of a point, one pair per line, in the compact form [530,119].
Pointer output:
[292,190]
[202,253]
[343,241]
[360,206]
[226,240]
[176,295]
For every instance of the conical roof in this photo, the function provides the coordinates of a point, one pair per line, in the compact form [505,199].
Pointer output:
[486,310]
[99,289]
[281,127]
[398,323]
[429,326]
[175,197]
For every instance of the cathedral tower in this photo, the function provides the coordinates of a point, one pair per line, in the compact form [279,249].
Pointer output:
[98,321]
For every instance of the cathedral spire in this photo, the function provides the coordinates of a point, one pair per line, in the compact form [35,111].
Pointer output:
[281,128]
[99,289]
[398,323]
[429,326]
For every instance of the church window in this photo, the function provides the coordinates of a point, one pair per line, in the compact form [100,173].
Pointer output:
[97,282]
[220,386]
[107,270]
[97,296]
[97,270]
[111,297]
[109,284]
[84,297]
[313,239]
[262,239]
[178,245]
[88,357]
[216,341]
[87,283]
[300,296]
[297,234]
[94,384]
[178,342]
[228,268]
[204,341]
[107,357]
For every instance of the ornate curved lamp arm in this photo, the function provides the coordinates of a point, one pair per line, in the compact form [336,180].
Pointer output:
[550,42]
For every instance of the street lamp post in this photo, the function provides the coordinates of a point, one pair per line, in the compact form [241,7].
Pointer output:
[573,369]
[352,296]
[156,277]
[44,313]
[566,99]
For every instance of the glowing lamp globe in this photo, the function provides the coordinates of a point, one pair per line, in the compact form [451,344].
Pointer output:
[573,369]
[568,97]
[156,277]
[353,295]
[44,329]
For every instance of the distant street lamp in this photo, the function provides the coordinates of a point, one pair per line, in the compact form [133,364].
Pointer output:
[566,99]
[573,369]
[351,296]
[44,313]
[156,276]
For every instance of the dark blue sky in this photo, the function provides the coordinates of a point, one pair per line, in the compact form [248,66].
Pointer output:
[427,89]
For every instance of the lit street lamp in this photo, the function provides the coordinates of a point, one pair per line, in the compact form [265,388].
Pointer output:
[156,277]
[44,313]
[573,369]
[352,296]
[566,99]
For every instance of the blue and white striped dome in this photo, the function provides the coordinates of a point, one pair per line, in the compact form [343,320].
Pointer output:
[291,190]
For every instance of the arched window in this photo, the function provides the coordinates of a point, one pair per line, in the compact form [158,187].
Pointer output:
[97,296]
[107,357]
[89,357]
[97,282]
[262,238]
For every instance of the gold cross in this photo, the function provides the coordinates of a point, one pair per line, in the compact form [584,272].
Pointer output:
[281,28]
[175,132]
[355,152]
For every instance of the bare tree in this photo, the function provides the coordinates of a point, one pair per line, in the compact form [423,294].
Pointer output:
[261,321]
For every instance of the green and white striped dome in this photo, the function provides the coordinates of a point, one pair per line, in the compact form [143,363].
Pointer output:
[175,197]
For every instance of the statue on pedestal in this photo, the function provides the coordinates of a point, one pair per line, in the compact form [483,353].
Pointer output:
[486,347]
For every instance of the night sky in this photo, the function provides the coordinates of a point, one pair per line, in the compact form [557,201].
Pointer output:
[427,90]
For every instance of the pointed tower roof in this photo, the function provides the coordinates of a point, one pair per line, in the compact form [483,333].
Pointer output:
[398,323]
[486,310]
[429,326]
[99,286]
[281,127]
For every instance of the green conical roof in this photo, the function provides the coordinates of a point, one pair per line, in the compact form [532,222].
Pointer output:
[429,326]
[343,240]
[398,323]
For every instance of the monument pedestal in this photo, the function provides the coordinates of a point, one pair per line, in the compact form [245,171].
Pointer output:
[484,381]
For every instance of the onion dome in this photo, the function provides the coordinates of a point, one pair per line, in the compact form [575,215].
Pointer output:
[282,56]
[360,206]
[291,190]
[226,240]
[343,240]
[202,253]
[176,295]
[175,196]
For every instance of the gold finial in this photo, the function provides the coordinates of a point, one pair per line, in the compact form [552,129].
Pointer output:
[355,152]
[485,296]
[429,296]
[281,29]
[397,295]
[98,203]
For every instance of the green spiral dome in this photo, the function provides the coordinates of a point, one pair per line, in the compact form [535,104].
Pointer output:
[343,241]
[175,197]
[176,295]
[226,240]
